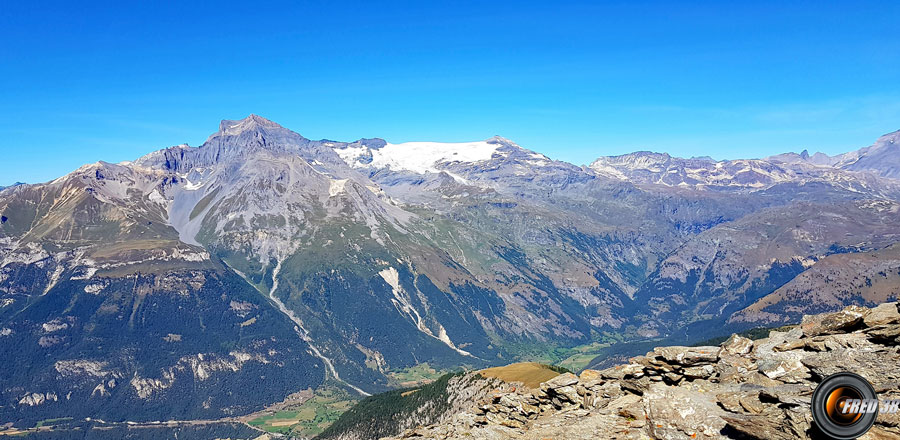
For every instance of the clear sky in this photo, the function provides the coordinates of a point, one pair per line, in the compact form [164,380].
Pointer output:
[572,80]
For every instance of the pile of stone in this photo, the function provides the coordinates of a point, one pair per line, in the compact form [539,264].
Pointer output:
[740,389]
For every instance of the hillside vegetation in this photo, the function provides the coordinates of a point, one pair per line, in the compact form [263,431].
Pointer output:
[392,412]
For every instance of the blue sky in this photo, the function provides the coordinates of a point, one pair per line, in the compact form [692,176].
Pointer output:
[113,81]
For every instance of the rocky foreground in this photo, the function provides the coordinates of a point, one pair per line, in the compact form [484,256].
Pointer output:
[742,389]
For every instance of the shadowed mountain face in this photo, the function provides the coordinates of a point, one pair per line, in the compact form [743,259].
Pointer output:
[210,281]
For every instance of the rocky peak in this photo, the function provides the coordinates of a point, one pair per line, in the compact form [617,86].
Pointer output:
[237,140]
[374,143]
[639,161]
[252,131]
[509,149]
[496,139]
[740,389]
[643,157]
[13,185]
[882,157]
[890,139]
[252,122]
[818,158]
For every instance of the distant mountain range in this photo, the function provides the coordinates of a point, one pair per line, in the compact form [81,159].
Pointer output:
[880,160]
[10,186]
[208,282]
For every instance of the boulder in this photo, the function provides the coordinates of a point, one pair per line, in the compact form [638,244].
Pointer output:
[838,322]
[600,396]
[735,369]
[568,394]
[730,401]
[886,313]
[791,345]
[512,423]
[679,413]
[562,390]
[885,334]
[495,418]
[633,370]
[790,395]
[826,342]
[563,380]
[881,433]
[619,372]
[772,424]
[631,408]
[636,386]
[879,367]
[589,376]
[759,379]
[845,340]
[687,356]
[528,409]
[736,345]
[700,372]
[508,401]
[785,370]
[751,403]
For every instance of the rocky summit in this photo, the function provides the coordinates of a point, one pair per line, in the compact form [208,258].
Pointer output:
[741,389]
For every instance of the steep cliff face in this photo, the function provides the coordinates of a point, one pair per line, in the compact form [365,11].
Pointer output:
[741,389]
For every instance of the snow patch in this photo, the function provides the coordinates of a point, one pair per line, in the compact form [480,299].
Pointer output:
[95,288]
[423,157]
[337,187]
[191,186]
[350,155]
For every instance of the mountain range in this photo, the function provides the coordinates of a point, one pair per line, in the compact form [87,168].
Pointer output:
[207,282]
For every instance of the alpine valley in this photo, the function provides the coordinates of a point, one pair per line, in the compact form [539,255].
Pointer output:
[207,283]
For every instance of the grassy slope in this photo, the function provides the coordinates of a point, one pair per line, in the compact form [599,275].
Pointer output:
[310,417]
[529,373]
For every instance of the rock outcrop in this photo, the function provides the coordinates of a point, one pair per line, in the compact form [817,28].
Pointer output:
[741,389]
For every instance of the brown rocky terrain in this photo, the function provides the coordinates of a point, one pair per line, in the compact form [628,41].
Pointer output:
[742,389]
[839,279]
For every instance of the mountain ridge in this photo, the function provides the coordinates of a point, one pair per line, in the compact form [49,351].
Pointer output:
[353,261]
[856,160]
